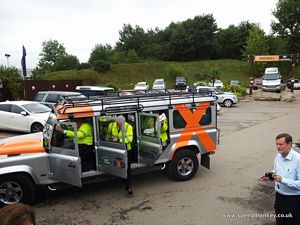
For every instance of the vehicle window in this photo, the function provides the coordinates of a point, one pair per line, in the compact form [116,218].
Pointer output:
[149,125]
[5,107]
[36,108]
[52,98]
[16,109]
[179,122]
[59,139]
[39,97]
[106,128]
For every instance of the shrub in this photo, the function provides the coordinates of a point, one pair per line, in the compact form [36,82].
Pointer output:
[174,70]
[241,92]
[112,85]
[101,66]
[83,66]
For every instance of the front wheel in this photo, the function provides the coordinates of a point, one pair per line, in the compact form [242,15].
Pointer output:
[183,166]
[36,127]
[16,188]
[228,103]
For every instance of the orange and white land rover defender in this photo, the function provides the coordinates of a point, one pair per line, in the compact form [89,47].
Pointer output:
[50,158]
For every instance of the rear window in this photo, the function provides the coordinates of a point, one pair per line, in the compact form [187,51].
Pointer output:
[39,97]
[179,122]
[52,98]
[36,108]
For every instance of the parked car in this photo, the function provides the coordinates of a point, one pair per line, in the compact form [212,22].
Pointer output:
[227,99]
[141,86]
[218,84]
[296,84]
[180,83]
[24,116]
[49,98]
[234,83]
[257,83]
[159,84]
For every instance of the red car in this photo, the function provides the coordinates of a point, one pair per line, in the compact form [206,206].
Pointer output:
[257,83]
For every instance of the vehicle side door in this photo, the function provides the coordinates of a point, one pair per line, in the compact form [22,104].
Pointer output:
[20,121]
[64,160]
[5,116]
[112,155]
[149,138]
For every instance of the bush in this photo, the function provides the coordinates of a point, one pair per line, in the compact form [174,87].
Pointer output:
[112,85]
[101,66]
[241,92]
[83,66]
[174,70]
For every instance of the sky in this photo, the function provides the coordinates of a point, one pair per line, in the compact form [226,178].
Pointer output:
[81,24]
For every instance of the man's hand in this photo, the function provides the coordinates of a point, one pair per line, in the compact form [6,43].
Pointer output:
[58,128]
[115,139]
[264,178]
[277,178]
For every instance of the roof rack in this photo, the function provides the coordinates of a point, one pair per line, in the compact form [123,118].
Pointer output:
[124,101]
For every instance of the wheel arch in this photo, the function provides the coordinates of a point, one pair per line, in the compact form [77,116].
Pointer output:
[26,170]
[194,147]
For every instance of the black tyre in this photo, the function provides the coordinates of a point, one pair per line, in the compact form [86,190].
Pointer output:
[183,166]
[36,127]
[227,103]
[16,188]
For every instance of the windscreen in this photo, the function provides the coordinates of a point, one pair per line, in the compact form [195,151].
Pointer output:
[271,76]
[36,108]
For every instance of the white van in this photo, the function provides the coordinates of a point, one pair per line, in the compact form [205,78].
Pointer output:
[272,80]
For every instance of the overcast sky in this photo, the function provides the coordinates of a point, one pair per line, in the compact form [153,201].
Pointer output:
[81,24]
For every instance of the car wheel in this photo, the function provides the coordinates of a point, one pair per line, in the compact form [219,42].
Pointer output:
[36,127]
[227,103]
[183,166]
[16,188]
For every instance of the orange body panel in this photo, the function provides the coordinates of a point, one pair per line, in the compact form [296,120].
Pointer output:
[28,143]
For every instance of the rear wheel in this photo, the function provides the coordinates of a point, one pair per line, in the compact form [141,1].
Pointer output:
[228,103]
[183,166]
[36,127]
[16,188]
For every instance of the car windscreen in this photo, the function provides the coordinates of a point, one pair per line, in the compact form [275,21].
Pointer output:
[36,108]
[159,82]
[271,76]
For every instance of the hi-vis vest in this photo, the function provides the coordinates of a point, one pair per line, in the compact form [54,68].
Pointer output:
[163,131]
[128,134]
[84,134]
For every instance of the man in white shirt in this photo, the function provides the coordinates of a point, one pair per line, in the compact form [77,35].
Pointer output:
[286,174]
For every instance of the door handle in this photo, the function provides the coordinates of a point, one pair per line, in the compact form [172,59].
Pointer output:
[72,165]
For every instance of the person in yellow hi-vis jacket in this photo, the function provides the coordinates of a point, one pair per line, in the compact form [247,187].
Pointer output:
[163,129]
[84,136]
[116,135]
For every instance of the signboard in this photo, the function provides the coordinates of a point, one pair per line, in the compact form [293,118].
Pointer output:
[266,58]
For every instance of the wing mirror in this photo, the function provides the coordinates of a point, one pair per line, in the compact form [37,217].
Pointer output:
[23,113]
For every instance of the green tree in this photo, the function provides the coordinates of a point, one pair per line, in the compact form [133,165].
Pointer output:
[100,52]
[52,51]
[288,26]
[213,75]
[11,81]
[230,42]
[67,62]
[133,38]
[101,65]
[257,42]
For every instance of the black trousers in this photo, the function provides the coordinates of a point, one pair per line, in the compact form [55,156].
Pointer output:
[127,181]
[287,209]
